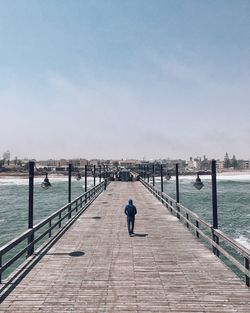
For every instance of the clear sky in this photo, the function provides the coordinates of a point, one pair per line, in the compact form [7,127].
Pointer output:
[125,79]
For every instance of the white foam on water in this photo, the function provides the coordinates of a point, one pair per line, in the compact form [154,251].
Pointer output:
[236,177]
[8,181]
[244,241]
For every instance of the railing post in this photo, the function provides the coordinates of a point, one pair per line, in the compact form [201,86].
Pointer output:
[247,279]
[60,223]
[214,200]
[187,217]
[50,233]
[69,190]
[177,188]
[31,206]
[197,225]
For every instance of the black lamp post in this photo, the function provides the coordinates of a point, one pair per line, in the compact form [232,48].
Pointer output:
[153,167]
[69,189]
[198,185]
[94,173]
[45,185]
[177,188]
[100,173]
[177,183]
[31,205]
[85,178]
[215,209]
[161,178]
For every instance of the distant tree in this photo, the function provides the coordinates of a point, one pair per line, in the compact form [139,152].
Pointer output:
[226,162]
[234,162]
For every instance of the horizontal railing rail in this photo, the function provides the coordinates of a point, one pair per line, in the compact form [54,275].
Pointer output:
[214,238]
[69,211]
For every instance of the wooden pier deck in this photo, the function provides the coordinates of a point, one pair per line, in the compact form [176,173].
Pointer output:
[96,267]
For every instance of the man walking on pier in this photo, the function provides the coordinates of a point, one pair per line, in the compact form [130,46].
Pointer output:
[130,211]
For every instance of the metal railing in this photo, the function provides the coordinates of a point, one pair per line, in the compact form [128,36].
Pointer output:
[72,210]
[215,239]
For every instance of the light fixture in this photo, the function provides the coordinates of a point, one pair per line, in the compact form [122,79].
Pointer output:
[168,176]
[46,184]
[198,184]
[78,176]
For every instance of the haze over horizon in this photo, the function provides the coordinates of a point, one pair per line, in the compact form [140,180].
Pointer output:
[125,79]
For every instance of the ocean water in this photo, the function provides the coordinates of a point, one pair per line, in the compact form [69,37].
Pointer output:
[233,202]
[233,199]
[14,202]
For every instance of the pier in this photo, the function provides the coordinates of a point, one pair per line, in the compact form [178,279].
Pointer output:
[95,266]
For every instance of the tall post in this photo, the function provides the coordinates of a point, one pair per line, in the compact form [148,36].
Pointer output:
[148,173]
[104,171]
[153,168]
[161,178]
[215,209]
[94,175]
[86,178]
[177,183]
[31,205]
[100,173]
[177,188]
[69,190]
[214,195]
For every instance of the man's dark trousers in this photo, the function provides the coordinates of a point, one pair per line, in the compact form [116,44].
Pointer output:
[131,223]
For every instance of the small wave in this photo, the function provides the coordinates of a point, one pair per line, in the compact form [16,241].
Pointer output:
[244,241]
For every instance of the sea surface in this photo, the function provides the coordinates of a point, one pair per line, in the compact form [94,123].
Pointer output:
[233,203]
[14,194]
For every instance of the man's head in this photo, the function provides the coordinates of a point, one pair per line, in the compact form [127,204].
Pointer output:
[130,201]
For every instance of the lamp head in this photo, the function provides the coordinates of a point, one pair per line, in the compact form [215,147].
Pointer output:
[78,176]
[46,183]
[168,176]
[198,184]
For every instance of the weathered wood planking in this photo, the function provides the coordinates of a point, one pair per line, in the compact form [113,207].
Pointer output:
[166,271]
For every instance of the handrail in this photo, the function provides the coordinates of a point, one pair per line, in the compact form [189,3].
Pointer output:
[85,199]
[185,215]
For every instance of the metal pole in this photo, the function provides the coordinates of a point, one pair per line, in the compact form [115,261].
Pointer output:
[177,183]
[177,189]
[100,173]
[214,195]
[161,178]
[69,189]
[94,175]
[215,209]
[153,175]
[85,178]
[148,172]
[31,205]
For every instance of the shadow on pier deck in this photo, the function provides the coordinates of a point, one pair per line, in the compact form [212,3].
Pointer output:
[96,267]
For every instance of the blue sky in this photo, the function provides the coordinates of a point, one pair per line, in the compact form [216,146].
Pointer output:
[125,79]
